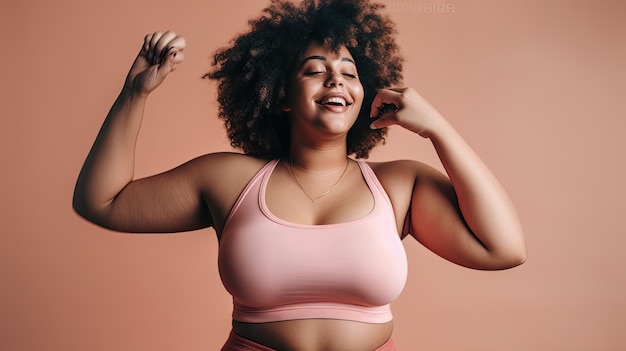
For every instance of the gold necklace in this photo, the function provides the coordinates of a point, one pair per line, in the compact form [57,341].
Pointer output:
[314,198]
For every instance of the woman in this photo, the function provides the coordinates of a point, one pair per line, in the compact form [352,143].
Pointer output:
[310,239]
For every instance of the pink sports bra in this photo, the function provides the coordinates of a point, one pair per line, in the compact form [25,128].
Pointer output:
[277,270]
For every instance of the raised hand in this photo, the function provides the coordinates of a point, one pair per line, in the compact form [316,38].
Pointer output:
[406,108]
[160,54]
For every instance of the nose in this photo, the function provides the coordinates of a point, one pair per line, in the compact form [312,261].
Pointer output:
[335,79]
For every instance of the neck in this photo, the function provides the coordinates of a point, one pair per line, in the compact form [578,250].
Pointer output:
[313,150]
[318,169]
[318,159]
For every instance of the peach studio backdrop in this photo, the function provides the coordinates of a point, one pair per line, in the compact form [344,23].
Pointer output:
[537,87]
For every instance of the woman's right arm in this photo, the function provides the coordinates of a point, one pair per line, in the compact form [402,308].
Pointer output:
[105,192]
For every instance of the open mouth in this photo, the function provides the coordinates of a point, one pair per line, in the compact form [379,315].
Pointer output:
[334,101]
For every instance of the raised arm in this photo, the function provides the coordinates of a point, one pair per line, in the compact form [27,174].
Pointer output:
[105,192]
[466,217]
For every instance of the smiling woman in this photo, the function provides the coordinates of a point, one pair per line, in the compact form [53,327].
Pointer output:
[261,62]
[310,238]
[325,92]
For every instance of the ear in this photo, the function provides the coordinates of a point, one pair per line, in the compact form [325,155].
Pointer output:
[283,100]
[284,105]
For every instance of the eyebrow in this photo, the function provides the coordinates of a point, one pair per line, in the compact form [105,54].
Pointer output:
[323,58]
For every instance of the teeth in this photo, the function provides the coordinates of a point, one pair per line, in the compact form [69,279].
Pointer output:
[335,100]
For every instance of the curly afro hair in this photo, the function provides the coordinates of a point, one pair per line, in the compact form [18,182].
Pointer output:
[254,70]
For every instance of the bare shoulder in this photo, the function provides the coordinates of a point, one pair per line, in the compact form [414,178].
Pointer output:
[222,178]
[225,172]
[400,178]
[403,171]
[228,165]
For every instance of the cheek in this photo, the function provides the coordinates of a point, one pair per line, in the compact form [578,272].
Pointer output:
[302,92]
[358,93]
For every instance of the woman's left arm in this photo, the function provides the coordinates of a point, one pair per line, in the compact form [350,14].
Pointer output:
[468,218]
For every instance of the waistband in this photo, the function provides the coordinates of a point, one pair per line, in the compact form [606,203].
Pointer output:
[239,343]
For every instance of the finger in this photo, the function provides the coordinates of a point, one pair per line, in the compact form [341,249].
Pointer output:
[162,45]
[145,48]
[385,120]
[178,42]
[178,45]
[153,41]
[384,96]
[171,60]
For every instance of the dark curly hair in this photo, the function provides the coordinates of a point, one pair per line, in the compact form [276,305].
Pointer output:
[253,71]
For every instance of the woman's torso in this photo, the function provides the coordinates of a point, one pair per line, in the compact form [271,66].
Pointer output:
[349,201]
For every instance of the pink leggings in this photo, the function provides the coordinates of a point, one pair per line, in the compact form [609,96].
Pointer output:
[238,343]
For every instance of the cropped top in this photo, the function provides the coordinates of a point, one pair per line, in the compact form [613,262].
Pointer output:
[276,270]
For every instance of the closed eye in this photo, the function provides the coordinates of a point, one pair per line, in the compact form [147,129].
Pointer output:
[349,75]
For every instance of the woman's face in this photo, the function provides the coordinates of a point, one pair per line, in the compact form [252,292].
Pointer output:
[325,94]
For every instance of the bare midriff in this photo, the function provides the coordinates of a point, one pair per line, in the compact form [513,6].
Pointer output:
[316,334]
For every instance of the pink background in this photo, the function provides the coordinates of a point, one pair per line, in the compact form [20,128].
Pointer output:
[537,87]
